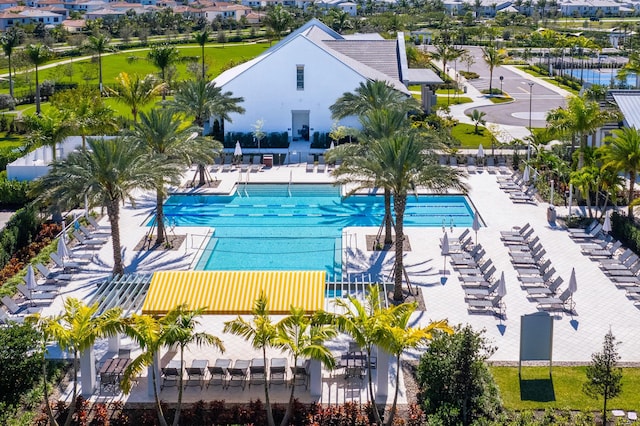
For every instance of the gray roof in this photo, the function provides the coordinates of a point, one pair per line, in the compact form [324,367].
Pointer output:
[380,55]
[422,76]
[629,104]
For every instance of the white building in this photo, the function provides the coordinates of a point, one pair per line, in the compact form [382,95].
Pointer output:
[588,8]
[292,85]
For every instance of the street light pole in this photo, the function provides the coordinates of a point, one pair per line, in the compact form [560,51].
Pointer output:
[530,101]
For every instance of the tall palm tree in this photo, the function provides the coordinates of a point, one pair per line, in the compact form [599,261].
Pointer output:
[99,44]
[261,333]
[165,136]
[135,91]
[9,41]
[201,100]
[49,129]
[278,19]
[106,172]
[493,57]
[401,337]
[202,38]
[446,52]
[303,336]
[76,329]
[622,154]
[163,56]
[180,324]
[38,54]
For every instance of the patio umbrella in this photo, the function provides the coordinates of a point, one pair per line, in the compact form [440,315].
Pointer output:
[62,250]
[332,145]
[606,227]
[502,286]
[573,285]
[238,150]
[480,151]
[525,175]
[30,279]
[445,251]
[476,224]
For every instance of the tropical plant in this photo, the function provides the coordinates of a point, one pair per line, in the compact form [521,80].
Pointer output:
[493,57]
[163,56]
[9,41]
[604,376]
[478,119]
[179,329]
[38,54]
[135,92]
[49,129]
[76,329]
[339,20]
[99,44]
[261,333]
[278,19]
[585,180]
[106,172]
[303,336]
[164,136]
[202,38]
[445,52]
[622,154]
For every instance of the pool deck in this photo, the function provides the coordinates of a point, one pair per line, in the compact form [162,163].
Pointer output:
[599,304]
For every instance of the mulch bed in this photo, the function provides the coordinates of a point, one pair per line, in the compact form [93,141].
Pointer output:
[210,184]
[371,244]
[410,297]
[171,242]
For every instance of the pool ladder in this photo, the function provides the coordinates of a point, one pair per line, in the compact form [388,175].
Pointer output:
[289,185]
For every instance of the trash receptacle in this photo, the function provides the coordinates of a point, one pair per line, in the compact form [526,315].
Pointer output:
[267,160]
[464,89]
[551,214]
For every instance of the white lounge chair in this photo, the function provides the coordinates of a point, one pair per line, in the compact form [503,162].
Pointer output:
[100,233]
[93,222]
[7,319]
[321,164]
[48,275]
[88,242]
[69,264]
[15,309]
[36,294]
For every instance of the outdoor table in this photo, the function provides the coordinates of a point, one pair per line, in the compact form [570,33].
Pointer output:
[111,372]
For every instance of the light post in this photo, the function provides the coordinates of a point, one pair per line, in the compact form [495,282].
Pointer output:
[530,101]
[501,79]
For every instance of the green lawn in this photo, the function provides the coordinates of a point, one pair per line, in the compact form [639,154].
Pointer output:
[452,100]
[500,100]
[564,391]
[11,141]
[464,133]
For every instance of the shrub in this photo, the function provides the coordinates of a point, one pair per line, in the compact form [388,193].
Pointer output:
[13,192]
[7,156]
[469,75]
[625,230]
[19,363]
[7,102]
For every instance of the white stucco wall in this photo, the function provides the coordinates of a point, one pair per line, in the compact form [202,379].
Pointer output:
[269,89]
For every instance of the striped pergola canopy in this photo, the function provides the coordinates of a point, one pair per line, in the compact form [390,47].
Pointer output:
[235,292]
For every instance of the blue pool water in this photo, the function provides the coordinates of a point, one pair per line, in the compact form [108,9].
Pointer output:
[601,76]
[274,227]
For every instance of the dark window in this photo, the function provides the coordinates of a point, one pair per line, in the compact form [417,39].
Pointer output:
[300,77]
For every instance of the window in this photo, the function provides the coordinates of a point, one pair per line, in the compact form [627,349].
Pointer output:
[300,77]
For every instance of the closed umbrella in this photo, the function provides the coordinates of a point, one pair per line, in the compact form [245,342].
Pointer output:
[502,286]
[525,175]
[30,279]
[573,286]
[63,251]
[445,251]
[480,151]
[476,224]
[238,151]
[332,145]
[606,227]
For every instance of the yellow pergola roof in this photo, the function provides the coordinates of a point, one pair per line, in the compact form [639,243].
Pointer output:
[235,292]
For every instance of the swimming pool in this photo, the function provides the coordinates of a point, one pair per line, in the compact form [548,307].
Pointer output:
[297,227]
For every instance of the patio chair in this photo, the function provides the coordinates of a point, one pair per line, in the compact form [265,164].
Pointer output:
[516,232]
[15,309]
[560,303]
[52,276]
[217,165]
[278,371]
[453,161]
[486,277]
[471,165]
[171,375]
[491,165]
[218,372]
[238,373]
[589,228]
[300,373]
[89,242]
[587,235]
[321,164]
[310,163]
[97,233]
[610,252]
[257,372]
[8,319]
[196,373]
[489,305]
[442,160]
[69,264]
[41,293]
[480,292]
[124,353]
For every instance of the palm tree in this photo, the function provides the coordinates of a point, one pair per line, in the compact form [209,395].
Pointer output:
[201,100]
[38,54]
[9,41]
[99,44]
[106,172]
[262,334]
[622,154]
[164,136]
[303,336]
[278,19]
[163,56]
[446,52]
[401,337]
[180,324]
[202,38]
[478,118]
[76,330]
[493,57]
[49,129]
[135,92]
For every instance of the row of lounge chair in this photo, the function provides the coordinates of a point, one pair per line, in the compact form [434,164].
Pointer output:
[252,163]
[322,165]
[477,275]
[227,374]
[535,273]
[519,191]
[489,163]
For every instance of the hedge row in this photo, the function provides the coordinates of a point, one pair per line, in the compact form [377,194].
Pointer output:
[13,192]
[18,233]
[625,230]
[247,140]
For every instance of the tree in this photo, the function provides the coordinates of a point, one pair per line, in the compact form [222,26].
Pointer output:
[49,129]
[340,20]
[261,333]
[163,56]
[622,154]
[604,377]
[9,41]
[164,136]
[180,324]
[20,358]
[456,386]
[493,57]
[99,44]
[303,336]
[478,119]
[202,38]
[38,54]
[446,52]
[201,100]
[279,20]
[76,329]
[135,92]
[107,172]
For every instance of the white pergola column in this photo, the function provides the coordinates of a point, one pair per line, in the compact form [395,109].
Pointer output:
[315,377]
[88,372]
[114,343]
[154,366]
[382,382]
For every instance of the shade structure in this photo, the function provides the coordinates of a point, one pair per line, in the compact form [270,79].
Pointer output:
[480,151]
[62,250]
[525,175]
[606,226]
[30,279]
[238,150]
[573,283]
[235,292]
[502,286]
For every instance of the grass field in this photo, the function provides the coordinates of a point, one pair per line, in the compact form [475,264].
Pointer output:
[464,133]
[563,391]
[500,100]
[135,62]
[444,101]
